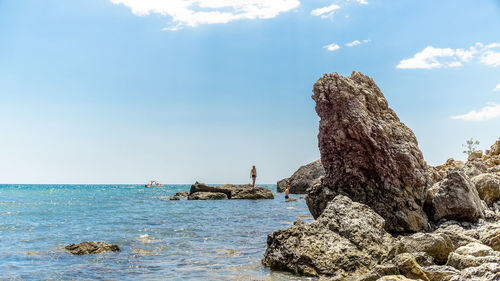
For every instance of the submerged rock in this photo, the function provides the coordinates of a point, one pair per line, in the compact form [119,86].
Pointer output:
[234,191]
[368,153]
[348,237]
[91,247]
[303,178]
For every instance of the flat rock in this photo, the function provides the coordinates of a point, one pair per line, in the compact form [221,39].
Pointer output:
[368,153]
[91,247]
[302,179]
[234,191]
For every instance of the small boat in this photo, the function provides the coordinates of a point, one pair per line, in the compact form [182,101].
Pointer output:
[154,184]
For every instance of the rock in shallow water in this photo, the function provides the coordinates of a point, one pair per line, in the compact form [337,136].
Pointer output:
[368,153]
[91,247]
[207,196]
[346,238]
[234,191]
[302,179]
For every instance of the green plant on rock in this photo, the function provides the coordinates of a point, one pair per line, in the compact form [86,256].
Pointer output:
[470,146]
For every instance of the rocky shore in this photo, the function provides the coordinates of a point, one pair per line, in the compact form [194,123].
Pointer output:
[381,213]
[302,179]
[201,191]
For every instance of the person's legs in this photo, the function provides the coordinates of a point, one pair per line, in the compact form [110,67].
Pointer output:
[253,181]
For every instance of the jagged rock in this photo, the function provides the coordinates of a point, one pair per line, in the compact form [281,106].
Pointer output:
[495,148]
[347,238]
[91,247]
[458,235]
[379,271]
[303,178]
[488,187]
[440,272]
[490,235]
[409,267]
[368,153]
[207,196]
[454,198]
[180,195]
[437,245]
[234,191]
[423,258]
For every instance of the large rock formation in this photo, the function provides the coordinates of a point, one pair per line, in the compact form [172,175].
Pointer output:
[303,178]
[91,247]
[348,237]
[231,192]
[368,153]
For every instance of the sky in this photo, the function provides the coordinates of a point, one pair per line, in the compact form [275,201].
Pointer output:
[124,91]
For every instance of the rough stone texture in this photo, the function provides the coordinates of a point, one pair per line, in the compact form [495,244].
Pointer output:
[475,155]
[207,196]
[303,178]
[472,255]
[347,238]
[454,198]
[91,247]
[234,191]
[489,234]
[437,245]
[484,272]
[409,267]
[458,234]
[394,278]
[368,153]
[440,272]
[488,187]
[180,195]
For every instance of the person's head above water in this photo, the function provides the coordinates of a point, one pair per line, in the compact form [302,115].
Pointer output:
[253,166]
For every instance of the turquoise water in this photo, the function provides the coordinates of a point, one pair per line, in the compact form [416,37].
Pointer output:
[160,239]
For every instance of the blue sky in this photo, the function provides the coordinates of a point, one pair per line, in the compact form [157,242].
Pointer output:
[123,91]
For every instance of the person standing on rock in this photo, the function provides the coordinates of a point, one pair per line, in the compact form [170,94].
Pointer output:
[253,175]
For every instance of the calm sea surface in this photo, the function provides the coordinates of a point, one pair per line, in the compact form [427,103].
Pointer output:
[160,239]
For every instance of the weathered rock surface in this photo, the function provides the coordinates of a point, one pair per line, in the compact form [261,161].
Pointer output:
[233,191]
[207,196]
[440,272]
[91,247]
[303,178]
[347,237]
[454,198]
[436,245]
[409,267]
[368,153]
[488,187]
[180,195]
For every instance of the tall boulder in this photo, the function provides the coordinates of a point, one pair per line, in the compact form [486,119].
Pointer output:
[303,178]
[368,154]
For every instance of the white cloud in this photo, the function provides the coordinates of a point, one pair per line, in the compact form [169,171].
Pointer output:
[486,113]
[431,57]
[364,2]
[332,47]
[195,12]
[353,43]
[325,12]
[357,42]
[497,88]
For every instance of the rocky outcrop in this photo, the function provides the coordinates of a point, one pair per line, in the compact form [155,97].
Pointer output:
[207,196]
[347,238]
[368,153]
[91,247]
[180,195]
[454,198]
[303,178]
[232,191]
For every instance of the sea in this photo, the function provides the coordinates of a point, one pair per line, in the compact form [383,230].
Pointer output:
[160,239]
